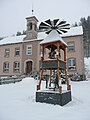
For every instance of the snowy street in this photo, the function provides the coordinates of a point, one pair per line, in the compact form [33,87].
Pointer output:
[17,102]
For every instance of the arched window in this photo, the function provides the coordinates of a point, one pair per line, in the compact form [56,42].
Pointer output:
[71,64]
[29,26]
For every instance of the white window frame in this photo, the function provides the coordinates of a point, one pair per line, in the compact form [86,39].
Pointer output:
[71,62]
[71,46]
[17,68]
[17,50]
[6,67]
[29,50]
[7,52]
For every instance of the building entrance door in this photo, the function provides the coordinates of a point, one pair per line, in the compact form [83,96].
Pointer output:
[28,67]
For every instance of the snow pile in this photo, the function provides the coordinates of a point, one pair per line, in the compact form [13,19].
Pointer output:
[17,102]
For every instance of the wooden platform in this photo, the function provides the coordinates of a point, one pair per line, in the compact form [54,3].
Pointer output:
[52,64]
[53,97]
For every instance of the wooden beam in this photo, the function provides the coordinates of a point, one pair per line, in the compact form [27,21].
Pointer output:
[58,49]
[43,52]
[50,77]
[66,77]
[65,55]
[41,77]
[60,89]
[65,59]
[58,75]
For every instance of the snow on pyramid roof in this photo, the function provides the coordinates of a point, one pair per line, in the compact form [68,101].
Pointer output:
[11,40]
[53,37]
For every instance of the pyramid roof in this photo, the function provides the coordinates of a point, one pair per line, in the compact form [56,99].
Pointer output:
[53,37]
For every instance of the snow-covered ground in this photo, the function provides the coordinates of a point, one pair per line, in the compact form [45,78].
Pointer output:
[17,102]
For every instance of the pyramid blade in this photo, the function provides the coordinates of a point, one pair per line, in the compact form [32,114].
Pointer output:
[64,31]
[47,32]
[65,25]
[59,31]
[66,28]
[49,22]
[59,26]
[55,21]
[61,22]
[43,25]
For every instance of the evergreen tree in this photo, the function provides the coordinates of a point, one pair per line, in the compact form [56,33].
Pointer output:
[75,24]
[18,33]
[1,38]
[86,35]
[24,32]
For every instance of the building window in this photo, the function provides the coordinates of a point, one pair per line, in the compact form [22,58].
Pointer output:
[7,52]
[16,66]
[72,64]
[5,66]
[17,51]
[30,26]
[29,50]
[71,46]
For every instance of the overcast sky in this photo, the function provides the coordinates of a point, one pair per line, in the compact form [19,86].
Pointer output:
[14,12]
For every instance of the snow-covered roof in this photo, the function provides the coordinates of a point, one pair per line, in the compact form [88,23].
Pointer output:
[73,31]
[41,35]
[12,39]
[53,37]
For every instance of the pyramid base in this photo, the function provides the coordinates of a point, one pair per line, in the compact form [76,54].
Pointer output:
[53,98]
